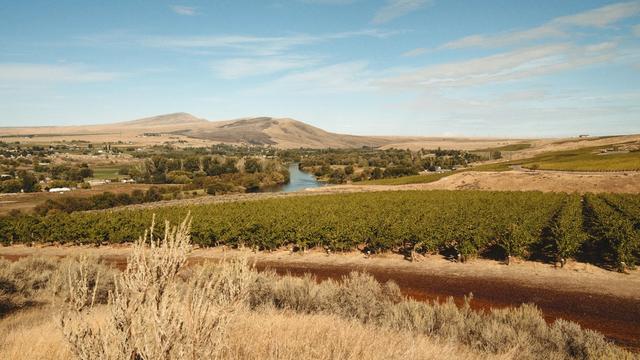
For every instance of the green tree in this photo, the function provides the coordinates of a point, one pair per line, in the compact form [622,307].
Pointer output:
[252,165]
[377,173]
[29,181]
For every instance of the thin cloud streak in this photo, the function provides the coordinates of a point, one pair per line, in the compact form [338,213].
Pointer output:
[328,2]
[18,73]
[513,65]
[415,52]
[556,28]
[237,68]
[506,39]
[254,44]
[347,77]
[397,8]
[184,10]
[601,17]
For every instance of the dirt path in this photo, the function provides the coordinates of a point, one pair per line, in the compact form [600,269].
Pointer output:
[598,299]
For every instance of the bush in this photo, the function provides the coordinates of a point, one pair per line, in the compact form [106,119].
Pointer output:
[153,314]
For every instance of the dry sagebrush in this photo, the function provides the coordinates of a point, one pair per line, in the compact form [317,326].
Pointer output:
[31,281]
[152,313]
[521,331]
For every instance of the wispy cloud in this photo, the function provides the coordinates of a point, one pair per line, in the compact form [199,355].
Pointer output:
[328,2]
[396,8]
[415,52]
[184,10]
[556,28]
[353,76]
[522,113]
[513,65]
[47,73]
[258,45]
[506,39]
[636,30]
[603,16]
[245,67]
[522,96]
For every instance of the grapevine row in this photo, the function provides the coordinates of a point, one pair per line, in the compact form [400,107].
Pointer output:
[466,223]
[615,233]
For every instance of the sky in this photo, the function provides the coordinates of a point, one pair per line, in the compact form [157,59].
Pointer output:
[524,68]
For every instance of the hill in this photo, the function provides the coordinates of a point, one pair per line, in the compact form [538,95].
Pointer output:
[285,132]
[187,130]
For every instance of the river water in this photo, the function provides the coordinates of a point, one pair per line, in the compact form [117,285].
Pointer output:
[299,180]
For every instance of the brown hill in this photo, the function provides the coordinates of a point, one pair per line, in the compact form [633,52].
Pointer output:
[194,131]
[176,119]
[286,133]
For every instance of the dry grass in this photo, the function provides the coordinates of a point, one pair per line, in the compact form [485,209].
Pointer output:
[158,309]
[34,334]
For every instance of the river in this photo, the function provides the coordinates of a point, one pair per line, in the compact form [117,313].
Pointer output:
[298,180]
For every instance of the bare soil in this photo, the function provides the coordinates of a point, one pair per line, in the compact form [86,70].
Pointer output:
[598,299]
[547,181]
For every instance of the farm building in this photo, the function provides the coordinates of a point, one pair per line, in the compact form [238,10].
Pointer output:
[59,190]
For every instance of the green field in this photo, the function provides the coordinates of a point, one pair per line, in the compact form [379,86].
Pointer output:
[471,223]
[500,166]
[413,179]
[587,159]
[104,173]
[511,147]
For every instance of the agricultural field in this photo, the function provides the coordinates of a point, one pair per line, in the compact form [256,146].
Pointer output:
[106,173]
[586,159]
[466,224]
[413,179]
[510,147]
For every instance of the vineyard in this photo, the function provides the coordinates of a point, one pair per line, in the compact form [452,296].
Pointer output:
[602,229]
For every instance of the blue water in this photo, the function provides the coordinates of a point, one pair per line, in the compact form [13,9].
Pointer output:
[299,180]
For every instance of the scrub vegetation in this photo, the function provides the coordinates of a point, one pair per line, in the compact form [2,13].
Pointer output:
[159,308]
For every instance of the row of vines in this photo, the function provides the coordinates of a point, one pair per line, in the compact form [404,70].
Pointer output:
[598,228]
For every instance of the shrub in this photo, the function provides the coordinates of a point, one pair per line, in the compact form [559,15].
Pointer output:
[151,313]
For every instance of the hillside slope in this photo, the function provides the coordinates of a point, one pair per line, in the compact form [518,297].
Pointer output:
[285,133]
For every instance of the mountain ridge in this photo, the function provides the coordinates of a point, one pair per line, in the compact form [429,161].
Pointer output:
[260,130]
[184,129]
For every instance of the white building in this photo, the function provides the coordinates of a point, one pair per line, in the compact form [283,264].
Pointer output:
[59,190]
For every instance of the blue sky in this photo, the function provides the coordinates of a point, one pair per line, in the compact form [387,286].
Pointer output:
[405,67]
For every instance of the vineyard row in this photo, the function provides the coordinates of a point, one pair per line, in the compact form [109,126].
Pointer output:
[603,229]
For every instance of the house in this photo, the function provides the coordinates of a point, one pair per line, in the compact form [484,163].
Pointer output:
[98,182]
[59,190]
